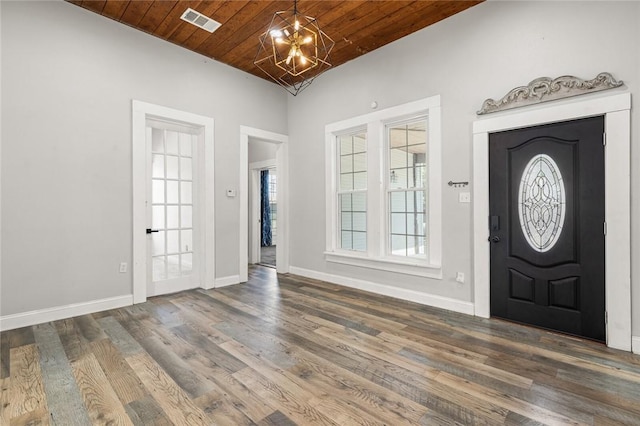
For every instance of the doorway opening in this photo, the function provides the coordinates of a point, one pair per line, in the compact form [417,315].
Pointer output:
[263,200]
[268,216]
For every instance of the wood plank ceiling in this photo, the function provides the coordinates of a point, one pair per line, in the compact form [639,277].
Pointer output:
[357,27]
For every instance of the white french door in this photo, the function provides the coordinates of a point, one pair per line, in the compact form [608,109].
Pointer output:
[174,246]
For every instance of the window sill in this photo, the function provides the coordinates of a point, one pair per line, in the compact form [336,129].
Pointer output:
[416,268]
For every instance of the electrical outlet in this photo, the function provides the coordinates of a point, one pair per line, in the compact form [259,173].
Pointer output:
[460,277]
[123,267]
[464,197]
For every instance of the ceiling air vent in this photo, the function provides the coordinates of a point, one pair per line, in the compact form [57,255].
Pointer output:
[199,20]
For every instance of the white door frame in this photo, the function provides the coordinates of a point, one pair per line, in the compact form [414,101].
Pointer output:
[616,110]
[282,165]
[140,112]
[255,218]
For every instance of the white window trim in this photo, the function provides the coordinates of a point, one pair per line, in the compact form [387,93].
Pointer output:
[377,226]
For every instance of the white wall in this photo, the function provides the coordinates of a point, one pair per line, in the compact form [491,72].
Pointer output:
[261,150]
[68,78]
[482,52]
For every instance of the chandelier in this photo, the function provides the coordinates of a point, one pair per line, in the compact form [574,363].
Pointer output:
[293,50]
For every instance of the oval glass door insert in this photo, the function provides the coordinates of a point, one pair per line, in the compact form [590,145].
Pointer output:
[541,203]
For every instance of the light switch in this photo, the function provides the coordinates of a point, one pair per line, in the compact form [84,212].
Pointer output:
[460,277]
[464,197]
[231,192]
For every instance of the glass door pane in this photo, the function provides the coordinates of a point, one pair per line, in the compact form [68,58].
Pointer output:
[172,204]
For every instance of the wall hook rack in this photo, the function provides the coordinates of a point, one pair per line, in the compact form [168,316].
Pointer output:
[458,184]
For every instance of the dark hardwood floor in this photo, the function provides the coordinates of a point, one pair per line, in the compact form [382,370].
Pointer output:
[268,256]
[285,350]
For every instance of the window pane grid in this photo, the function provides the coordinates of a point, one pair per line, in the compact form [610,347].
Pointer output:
[407,223]
[273,203]
[172,204]
[353,221]
[407,181]
[352,186]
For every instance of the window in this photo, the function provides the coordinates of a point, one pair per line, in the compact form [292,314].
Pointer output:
[383,189]
[406,183]
[352,191]
[273,207]
[541,203]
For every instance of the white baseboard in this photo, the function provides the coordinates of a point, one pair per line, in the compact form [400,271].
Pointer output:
[387,290]
[225,281]
[10,322]
[635,344]
[208,285]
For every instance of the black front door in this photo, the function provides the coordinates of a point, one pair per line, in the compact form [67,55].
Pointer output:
[546,224]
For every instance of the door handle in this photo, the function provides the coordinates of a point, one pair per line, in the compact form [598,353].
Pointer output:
[494,239]
[149,230]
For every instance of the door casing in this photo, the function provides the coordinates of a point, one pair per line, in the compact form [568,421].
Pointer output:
[616,109]
[141,111]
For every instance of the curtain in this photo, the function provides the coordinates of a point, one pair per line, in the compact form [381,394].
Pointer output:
[265,209]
